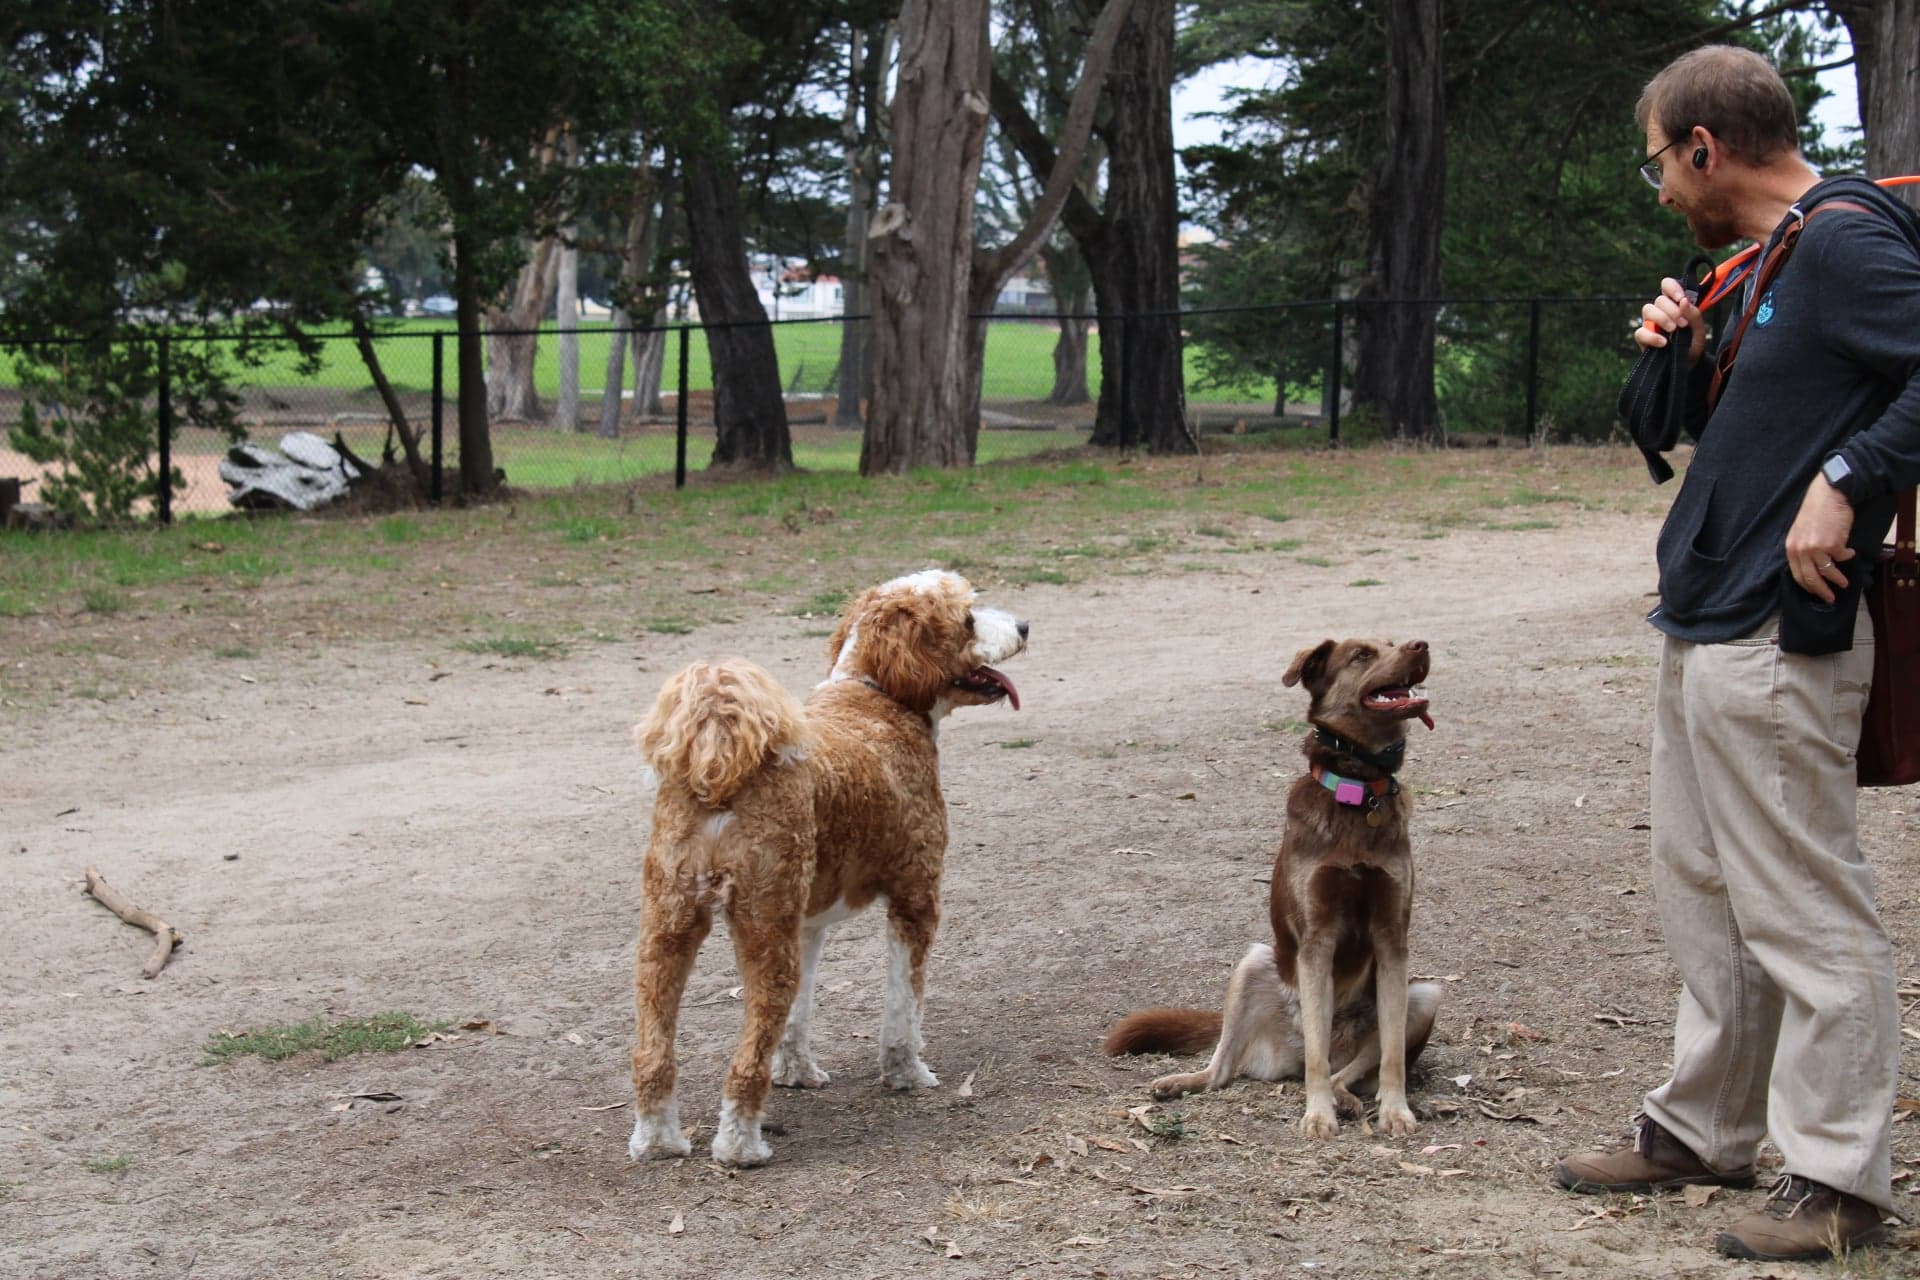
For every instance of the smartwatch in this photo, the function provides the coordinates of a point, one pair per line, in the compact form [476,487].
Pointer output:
[1839,475]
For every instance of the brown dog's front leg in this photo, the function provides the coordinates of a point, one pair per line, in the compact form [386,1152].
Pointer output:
[1390,986]
[1314,972]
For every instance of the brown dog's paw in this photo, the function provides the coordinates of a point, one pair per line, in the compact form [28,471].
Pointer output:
[1170,1087]
[1320,1123]
[1398,1121]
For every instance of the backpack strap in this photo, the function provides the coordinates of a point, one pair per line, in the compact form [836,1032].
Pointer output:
[1763,278]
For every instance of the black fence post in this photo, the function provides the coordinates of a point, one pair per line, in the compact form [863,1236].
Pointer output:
[1126,390]
[680,418]
[439,391]
[1333,372]
[1533,368]
[166,431]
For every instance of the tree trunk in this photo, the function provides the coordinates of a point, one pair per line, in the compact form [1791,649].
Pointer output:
[1071,287]
[863,134]
[396,412]
[566,314]
[650,365]
[749,411]
[613,382]
[921,242]
[1143,233]
[1393,365]
[476,442]
[1886,71]
[636,256]
[512,350]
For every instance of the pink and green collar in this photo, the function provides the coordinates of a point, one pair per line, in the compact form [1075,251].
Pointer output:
[1355,791]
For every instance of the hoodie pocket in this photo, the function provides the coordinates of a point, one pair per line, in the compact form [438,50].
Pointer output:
[1691,564]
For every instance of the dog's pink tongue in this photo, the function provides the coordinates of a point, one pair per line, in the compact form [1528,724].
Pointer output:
[1426,720]
[999,678]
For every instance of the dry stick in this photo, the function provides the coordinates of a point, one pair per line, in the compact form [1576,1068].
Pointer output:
[165,935]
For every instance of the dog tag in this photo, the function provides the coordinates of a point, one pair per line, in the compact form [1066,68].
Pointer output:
[1374,817]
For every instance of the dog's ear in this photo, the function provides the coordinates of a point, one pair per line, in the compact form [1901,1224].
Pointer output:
[1309,665]
[903,651]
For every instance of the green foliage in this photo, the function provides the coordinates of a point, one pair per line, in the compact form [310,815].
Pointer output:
[381,1033]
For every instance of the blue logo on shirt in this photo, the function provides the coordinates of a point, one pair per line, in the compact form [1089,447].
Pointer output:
[1765,313]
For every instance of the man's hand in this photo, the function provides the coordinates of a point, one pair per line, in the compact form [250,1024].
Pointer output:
[1670,311]
[1817,543]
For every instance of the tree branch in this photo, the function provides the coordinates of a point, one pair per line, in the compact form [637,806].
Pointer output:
[991,268]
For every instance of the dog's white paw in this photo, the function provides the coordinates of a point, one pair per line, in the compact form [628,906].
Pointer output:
[902,1069]
[798,1071]
[658,1137]
[1319,1122]
[1397,1119]
[737,1140]
[1170,1087]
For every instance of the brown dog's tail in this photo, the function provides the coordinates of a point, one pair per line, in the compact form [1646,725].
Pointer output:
[1163,1031]
[716,724]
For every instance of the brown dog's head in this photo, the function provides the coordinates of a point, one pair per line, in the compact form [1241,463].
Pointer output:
[923,642]
[1363,690]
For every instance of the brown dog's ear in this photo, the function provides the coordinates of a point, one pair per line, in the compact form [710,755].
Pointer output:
[1309,665]
[902,649]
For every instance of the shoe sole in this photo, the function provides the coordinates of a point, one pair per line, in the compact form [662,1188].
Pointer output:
[1580,1186]
[1732,1246]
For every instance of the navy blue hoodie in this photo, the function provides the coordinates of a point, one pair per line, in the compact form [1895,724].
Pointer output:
[1831,363]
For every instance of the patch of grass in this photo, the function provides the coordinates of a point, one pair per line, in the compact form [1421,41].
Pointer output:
[1286,726]
[1318,562]
[1171,1126]
[236,651]
[1285,544]
[399,529]
[670,627]
[103,600]
[1019,744]
[515,647]
[1517,526]
[1052,576]
[15,605]
[589,529]
[110,1164]
[1366,582]
[381,1033]
[1212,531]
[824,603]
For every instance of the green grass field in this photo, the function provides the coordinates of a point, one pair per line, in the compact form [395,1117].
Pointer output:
[1019,362]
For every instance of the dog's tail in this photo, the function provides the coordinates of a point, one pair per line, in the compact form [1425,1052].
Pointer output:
[1163,1031]
[716,724]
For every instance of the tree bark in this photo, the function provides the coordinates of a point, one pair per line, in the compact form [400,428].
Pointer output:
[476,440]
[513,337]
[566,314]
[749,410]
[1886,72]
[1071,287]
[1393,364]
[635,257]
[921,242]
[862,130]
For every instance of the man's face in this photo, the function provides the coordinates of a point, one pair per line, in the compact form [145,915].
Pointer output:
[1692,192]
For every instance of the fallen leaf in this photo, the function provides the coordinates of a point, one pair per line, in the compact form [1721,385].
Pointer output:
[1108,1144]
[1579,802]
[1697,1197]
[1417,1170]
[1521,1031]
[481,1024]
[1082,1241]
[610,1106]
[381,1096]
[1463,1081]
[1439,1146]
[1167,1193]
[678,1225]
[966,1087]
[574,1037]
[1454,1173]
[1185,795]
[1034,1162]
[1076,1144]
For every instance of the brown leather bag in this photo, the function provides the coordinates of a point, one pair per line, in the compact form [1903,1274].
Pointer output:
[1889,753]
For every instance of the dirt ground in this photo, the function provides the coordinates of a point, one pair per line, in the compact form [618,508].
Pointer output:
[371,825]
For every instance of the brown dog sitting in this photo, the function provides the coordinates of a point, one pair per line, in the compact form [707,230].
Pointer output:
[1329,999]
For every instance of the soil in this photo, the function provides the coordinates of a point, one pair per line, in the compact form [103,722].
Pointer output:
[376,824]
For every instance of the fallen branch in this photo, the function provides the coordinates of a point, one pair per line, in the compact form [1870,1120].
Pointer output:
[166,937]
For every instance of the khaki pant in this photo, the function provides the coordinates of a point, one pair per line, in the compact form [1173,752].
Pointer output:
[1788,1023]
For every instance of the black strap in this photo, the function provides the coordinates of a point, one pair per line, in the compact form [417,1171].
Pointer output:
[1387,762]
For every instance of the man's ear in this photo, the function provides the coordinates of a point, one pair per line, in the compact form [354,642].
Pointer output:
[1309,665]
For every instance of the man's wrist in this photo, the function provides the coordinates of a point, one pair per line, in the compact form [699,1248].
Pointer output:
[1839,473]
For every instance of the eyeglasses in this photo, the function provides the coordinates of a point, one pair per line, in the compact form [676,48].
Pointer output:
[1650,167]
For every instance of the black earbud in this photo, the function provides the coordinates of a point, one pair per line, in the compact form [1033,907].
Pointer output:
[1700,158]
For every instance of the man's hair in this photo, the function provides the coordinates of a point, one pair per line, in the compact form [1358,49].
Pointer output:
[1733,93]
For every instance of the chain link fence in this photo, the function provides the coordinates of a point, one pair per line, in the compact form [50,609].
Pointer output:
[593,405]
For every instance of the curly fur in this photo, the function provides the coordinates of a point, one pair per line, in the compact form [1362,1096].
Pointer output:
[717,724]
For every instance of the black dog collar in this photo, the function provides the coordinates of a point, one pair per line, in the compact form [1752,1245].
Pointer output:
[1387,761]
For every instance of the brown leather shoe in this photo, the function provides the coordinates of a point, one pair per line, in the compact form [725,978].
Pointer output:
[1803,1221]
[1656,1160]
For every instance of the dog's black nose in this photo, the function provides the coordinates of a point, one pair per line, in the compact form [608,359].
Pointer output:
[1022,626]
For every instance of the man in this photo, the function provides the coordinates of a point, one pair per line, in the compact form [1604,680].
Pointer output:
[1788,1023]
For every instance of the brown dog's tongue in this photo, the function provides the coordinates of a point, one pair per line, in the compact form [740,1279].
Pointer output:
[1013,694]
[1426,720]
